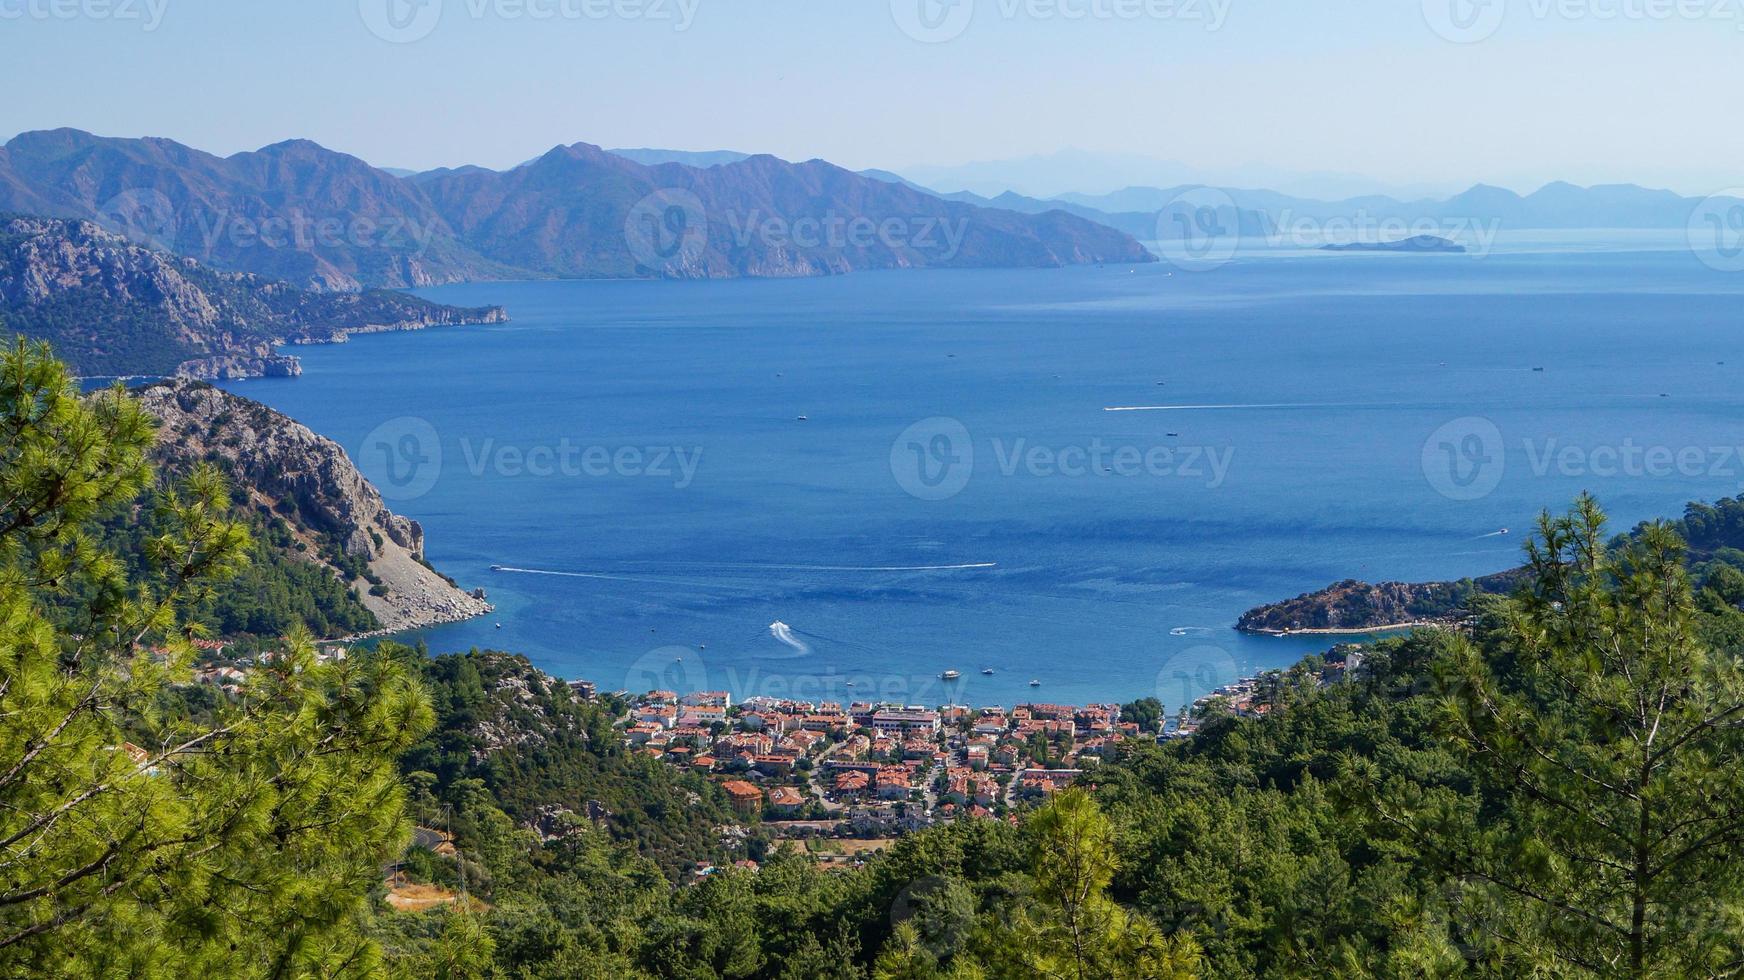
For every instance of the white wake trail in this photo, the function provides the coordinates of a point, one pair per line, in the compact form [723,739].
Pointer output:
[1211,408]
[784,633]
[704,566]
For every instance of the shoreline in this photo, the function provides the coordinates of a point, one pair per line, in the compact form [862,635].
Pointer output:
[388,632]
[1345,630]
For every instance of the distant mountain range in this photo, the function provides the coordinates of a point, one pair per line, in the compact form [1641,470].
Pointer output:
[299,212]
[111,307]
[1162,213]
[1072,170]
[1558,205]
[703,159]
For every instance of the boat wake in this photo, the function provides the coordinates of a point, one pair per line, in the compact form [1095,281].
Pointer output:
[1217,408]
[743,567]
[784,633]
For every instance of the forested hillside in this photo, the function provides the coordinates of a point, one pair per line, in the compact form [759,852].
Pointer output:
[1553,790]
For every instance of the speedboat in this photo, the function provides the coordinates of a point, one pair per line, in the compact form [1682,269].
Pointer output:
[1035,683]
[988,672]
[951,675]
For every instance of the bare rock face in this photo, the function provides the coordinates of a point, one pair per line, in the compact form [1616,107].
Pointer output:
[113,307]
[310,480]
[1353,606]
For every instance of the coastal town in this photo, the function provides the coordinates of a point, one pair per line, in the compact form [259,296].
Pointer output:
[880,769]
[861,774]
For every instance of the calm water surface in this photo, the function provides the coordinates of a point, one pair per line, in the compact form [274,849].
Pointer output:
[958,496]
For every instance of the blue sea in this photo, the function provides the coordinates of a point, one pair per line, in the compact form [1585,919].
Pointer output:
[839,488]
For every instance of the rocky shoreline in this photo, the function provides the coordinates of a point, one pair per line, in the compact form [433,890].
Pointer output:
[337,517]
[1351,607]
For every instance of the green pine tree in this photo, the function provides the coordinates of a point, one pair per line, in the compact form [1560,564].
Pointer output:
[1608,744]
[136,840]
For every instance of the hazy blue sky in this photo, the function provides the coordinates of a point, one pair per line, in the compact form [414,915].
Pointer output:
[1588,90]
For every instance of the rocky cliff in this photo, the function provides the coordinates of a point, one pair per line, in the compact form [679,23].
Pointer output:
[113,307]
[1352,606]
[336,515]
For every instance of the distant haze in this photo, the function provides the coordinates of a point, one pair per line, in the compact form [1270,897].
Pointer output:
[1320,100]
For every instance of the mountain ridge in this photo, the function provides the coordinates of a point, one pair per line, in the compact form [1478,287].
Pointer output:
[323,219]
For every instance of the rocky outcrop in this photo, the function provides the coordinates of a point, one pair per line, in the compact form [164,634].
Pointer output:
[235,367]
[1355,607]
[1416,243]
[309,479]
[112,307]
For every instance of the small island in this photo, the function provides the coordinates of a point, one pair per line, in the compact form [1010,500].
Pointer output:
[1416,243]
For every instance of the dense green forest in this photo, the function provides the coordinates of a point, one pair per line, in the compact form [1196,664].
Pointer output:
[1557,794]
[277,591]
[1554,791]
